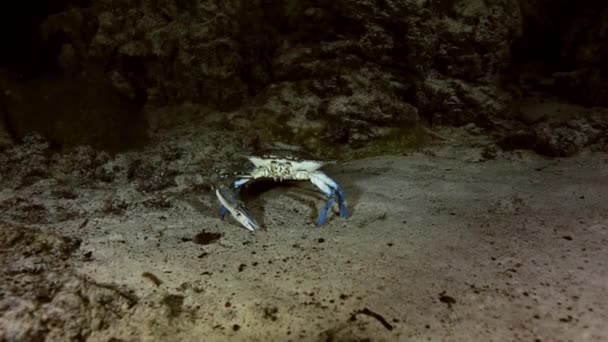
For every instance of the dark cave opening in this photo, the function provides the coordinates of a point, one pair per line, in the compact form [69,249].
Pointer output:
[67,107]
[541,41]
[25,53]
[545,34]
[563,43]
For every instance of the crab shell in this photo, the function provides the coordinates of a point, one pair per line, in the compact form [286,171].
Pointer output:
[299,160]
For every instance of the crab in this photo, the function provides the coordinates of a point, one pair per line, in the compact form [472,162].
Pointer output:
[278,165]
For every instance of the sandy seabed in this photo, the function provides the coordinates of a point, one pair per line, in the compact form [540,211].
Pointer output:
[441,245]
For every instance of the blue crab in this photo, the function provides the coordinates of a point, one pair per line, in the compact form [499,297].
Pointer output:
[278,165]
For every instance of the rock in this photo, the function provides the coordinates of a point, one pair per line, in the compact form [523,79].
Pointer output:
[42,299]
[26,163]
[355,66]
[561,138]
[168,50]
[453,101]
[569,138]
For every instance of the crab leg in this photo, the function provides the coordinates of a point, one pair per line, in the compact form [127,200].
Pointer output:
[324,211]
[231,203]
[332,190]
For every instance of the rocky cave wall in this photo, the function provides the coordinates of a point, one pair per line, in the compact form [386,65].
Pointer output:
[306,71]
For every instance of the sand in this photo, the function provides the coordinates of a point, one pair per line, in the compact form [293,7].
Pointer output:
[440,245]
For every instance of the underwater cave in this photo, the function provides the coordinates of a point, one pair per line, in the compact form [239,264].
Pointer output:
[302,170]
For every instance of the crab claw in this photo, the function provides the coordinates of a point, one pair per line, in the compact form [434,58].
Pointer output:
[231,203]
[333,191]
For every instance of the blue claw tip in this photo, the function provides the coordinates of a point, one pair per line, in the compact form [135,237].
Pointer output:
[343,210]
